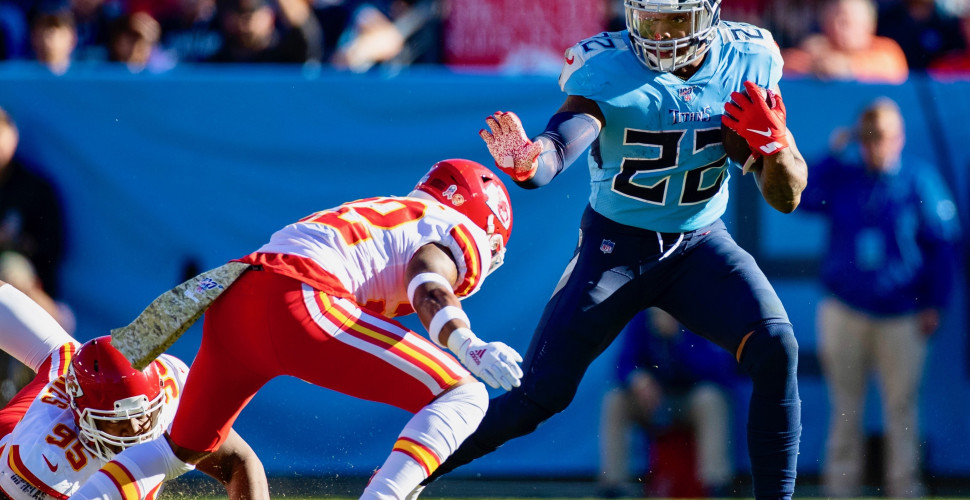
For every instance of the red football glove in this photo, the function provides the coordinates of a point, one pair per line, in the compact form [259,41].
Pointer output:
[514,153]
[760,120]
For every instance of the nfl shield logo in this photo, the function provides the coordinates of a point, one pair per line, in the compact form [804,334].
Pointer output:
[687,93]
[607,246]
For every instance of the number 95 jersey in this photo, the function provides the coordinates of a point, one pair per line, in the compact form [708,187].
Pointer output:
[44,459]
[359,250]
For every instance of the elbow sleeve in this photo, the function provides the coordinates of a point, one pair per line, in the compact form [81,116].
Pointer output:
[566,137]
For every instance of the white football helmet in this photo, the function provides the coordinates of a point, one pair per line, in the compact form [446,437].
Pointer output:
[105,391]
[651,21]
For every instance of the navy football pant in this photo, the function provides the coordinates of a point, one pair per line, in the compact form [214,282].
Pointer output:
[709,284]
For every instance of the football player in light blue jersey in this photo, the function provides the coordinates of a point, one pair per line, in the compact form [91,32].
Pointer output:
[650,101]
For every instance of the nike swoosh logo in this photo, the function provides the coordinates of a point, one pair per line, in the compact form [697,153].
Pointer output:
[766,132]
[570,59]
[50,466]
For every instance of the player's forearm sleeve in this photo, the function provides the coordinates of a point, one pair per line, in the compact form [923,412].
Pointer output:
[566,136]
[27,331]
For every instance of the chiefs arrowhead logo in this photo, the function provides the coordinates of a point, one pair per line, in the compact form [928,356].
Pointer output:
[50,466]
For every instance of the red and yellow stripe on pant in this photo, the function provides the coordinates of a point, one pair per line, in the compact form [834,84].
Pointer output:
[419,452]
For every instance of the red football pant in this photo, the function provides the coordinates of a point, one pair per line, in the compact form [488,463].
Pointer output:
[267,325]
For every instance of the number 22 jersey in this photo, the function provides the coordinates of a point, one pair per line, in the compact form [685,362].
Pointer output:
[658,163]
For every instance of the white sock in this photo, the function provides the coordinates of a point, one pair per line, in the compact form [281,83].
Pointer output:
[27,331]
[134,473]
[430,437]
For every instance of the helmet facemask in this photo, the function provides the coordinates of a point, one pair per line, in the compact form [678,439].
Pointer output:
[497,244]
[111,400]
[105,445]
[648,22]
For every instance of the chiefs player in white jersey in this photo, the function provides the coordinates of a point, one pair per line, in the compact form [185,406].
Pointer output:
[85,405]
[318,306]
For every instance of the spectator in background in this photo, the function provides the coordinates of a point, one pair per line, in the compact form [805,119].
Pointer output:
[91,18]
[53,34]
[888,271]
[133,40]
[848,48]
[398,32]
[924,31]
[31,221]
[957,63]
[191,32]
[668,379]
[31,243]
[251,35]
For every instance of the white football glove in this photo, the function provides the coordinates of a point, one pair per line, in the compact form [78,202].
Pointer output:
[493,362]
[514,153]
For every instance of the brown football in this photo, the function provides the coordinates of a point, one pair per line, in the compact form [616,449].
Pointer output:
[735,146]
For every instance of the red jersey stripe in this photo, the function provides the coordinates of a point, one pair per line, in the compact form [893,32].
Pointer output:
[473,260]
[17,465]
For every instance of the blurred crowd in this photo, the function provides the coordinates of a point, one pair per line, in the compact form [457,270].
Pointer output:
[870,40]
[158,34]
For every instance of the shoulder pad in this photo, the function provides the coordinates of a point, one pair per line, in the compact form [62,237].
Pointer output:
[747,37]
[577,55]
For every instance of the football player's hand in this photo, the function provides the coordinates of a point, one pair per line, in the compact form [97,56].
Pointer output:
[494,363]
[759,117]
[514,153]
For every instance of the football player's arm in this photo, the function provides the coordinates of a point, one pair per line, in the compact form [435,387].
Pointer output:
[431,275]
[27,331]
[782,177]
[237,467]
[534,163]
[760,117]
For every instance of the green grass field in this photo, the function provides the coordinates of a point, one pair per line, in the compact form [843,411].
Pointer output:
[200,487]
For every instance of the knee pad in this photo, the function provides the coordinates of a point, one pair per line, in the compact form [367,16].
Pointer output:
[770,355]
[447,421]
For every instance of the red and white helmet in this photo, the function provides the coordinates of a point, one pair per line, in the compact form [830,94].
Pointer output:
[103,388]
[477,192]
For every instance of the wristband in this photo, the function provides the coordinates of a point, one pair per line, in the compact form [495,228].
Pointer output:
[423,278]
[458,338]
[444,315]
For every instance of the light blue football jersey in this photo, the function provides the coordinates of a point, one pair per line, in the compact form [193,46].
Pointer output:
[658,163]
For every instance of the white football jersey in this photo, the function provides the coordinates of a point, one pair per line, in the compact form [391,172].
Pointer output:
[43,458]
[360,249]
